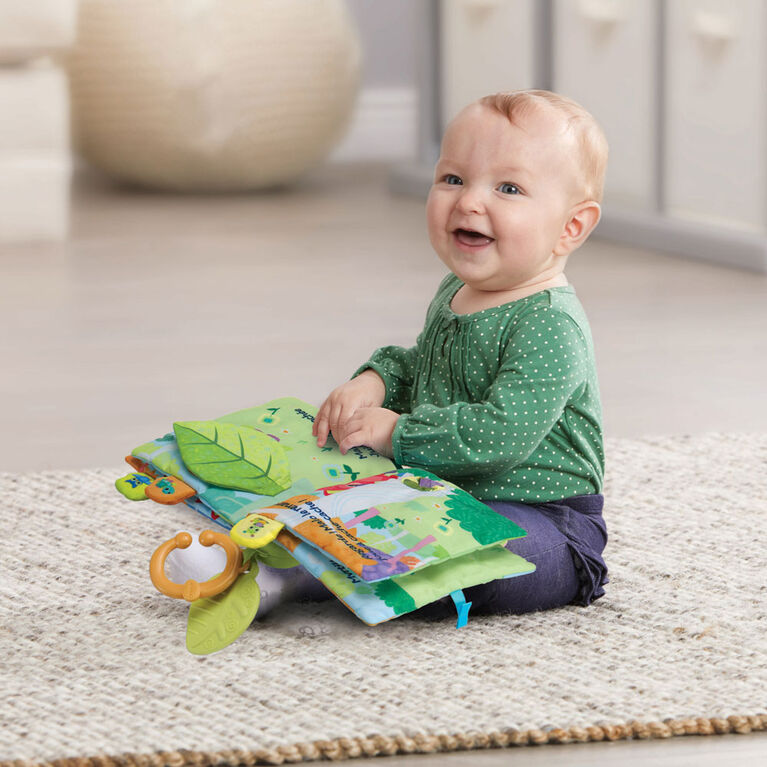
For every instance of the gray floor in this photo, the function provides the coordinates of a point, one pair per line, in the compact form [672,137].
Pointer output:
[732,750]
[163,308]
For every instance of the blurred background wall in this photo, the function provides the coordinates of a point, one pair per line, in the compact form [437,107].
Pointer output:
[389,40]
[385,122]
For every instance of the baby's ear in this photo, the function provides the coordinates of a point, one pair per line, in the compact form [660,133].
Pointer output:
[583,218]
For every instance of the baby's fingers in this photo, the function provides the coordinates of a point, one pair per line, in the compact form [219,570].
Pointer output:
[351,440]
[330,417]
[321,431]
[339,414]
[334,412]
[320,427]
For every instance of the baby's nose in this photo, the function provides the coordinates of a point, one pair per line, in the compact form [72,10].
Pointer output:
[471,201]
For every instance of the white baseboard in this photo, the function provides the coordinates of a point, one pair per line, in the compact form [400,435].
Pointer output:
[690,239]
[383,127]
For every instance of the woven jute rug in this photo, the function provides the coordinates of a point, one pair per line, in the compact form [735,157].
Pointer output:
[94,667]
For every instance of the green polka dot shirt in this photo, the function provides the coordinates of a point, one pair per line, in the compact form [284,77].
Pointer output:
[504,401]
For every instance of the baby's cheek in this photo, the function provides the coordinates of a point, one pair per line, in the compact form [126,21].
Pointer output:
[438,237]
[436,212]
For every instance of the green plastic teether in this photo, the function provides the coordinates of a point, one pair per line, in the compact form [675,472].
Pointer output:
[217,621]
[272,555]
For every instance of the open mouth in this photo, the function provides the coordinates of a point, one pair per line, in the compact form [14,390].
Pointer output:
[471,238]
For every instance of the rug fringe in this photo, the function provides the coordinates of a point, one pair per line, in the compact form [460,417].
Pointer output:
[341,749]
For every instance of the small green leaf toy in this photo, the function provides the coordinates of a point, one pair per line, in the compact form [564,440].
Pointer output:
[237,457]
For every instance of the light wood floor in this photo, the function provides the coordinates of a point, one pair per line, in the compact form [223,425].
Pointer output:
[165,308]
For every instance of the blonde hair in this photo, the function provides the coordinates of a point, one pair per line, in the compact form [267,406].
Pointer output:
[587,131]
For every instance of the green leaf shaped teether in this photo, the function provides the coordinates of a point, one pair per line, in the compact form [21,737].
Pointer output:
[272,555]
[217,621]
[232,456]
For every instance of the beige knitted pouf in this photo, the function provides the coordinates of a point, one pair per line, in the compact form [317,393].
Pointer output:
[212,95]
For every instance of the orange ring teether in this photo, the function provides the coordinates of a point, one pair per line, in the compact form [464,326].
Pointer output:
[192,590]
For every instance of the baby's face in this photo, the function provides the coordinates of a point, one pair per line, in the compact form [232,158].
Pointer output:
[501,197]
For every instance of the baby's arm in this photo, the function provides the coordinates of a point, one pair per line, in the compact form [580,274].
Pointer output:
[384,380]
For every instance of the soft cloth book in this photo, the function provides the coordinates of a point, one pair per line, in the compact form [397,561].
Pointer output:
[385,540]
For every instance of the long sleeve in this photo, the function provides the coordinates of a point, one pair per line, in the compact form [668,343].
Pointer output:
[543,366]
[396,365]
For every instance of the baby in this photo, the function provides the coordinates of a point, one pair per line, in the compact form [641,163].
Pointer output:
[500,393]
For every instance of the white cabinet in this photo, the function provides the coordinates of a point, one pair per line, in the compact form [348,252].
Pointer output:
[485,46]
[716,112]
[605,56]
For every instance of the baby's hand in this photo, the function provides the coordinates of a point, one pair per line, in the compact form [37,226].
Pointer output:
[366,390]
[370,426]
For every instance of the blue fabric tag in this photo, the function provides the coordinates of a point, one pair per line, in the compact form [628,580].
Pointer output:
[462,606]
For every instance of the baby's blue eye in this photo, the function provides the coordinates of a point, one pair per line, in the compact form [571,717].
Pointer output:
[452,179]
[509,189]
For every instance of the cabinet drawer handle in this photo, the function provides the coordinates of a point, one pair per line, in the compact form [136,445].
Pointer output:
[713,27]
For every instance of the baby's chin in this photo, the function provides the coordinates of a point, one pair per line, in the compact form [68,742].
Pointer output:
[484,280]
[489,271]
[478,279]
[480,264]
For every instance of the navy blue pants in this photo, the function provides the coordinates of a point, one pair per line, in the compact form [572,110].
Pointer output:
[564,541]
